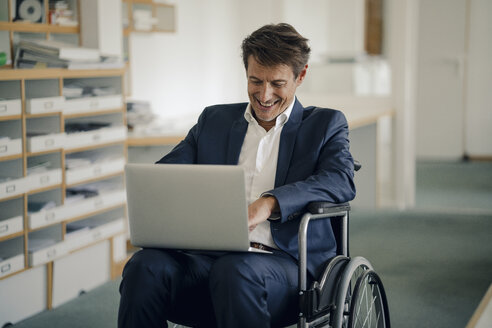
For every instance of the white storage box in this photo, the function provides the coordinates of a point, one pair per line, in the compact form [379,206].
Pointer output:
[119,247]
[11,265]
[45,105]
[81,271]
[95,170]
[95,137]
[10,107]
[44,179]
[47,217]
[46,142]
[11,226]
[10,147]
[92,104]
[47,254]
[89,205]
[12,187]
[85,237]
[23,295]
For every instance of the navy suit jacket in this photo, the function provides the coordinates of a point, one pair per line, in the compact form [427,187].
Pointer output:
[314,164]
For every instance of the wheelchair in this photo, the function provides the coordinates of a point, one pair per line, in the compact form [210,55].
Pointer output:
[349,293]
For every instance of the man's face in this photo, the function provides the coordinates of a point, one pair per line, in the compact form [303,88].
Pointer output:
[271,89]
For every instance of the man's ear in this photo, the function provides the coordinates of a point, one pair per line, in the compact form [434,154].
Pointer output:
[302,75]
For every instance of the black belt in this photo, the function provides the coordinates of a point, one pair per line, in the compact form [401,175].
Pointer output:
[262,247]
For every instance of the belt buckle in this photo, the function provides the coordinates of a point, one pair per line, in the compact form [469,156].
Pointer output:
[259,246]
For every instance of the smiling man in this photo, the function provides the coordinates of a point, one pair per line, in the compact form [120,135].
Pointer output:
[291,155]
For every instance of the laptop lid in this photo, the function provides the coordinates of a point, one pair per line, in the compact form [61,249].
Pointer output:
[201,207]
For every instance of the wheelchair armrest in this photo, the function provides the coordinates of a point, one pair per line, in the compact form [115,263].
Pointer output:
[357,165]
[319,210]
[327,207]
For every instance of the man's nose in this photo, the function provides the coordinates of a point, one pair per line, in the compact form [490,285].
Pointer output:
[266,92]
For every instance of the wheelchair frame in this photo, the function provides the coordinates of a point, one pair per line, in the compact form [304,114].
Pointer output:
[329,301]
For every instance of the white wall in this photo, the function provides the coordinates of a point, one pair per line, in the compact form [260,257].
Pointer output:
[478,81]
[441,47]
[201,64]
[454,111]
[198,65]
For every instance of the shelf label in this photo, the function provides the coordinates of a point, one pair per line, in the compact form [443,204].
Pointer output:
[48,105]
[10,189]
[51,253]
[44,179]
[97,170]
[5,268]
[50,216]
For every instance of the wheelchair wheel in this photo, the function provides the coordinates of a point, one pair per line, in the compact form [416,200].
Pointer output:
[353,270]
[369,307]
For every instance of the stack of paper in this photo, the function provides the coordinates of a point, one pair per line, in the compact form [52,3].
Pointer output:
[79,90]
[79,160]
[143,20]
[49,53]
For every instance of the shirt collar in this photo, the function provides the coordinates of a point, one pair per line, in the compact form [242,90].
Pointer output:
[280,120]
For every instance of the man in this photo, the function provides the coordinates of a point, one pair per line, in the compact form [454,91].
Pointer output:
[291,156]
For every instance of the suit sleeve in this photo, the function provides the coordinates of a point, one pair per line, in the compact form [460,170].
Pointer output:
[186,151]
[332,180]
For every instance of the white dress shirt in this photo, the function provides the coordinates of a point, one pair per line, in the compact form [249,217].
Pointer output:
[258,157]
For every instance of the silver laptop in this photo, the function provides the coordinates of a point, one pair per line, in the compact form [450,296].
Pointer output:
[192,207]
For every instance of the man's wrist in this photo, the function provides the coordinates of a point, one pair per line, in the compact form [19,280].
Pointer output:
[274,206]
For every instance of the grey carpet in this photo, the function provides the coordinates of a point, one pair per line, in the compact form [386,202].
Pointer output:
[460,186]
[435,261]
[435,267]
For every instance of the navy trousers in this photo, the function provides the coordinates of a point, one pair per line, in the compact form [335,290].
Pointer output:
[213,289]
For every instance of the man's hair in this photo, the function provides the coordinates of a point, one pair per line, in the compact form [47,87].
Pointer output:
[276,44]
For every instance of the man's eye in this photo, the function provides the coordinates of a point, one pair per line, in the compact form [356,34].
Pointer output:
[278,85]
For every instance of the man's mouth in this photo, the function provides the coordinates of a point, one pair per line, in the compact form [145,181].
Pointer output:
[267,105]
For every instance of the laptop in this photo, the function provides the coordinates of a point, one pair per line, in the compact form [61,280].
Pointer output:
[189,207]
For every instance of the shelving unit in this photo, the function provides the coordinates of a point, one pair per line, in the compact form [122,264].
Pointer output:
[68,226]
[63,226]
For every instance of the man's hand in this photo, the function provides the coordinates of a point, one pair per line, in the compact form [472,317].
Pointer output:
[260,210]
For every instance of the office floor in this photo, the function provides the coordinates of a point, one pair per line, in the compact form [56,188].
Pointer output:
[434,260]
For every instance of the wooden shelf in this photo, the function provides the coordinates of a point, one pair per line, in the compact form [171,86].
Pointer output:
[10,118]
[38,28]
[88,215]
[43,115]
[12,236]
[39,190]
[11,157]
[52,73]
[102,145]
[109,176]
[153,141]
[51,151]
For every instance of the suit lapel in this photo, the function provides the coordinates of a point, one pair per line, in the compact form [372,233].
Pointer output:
[287,142]
[236,139]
